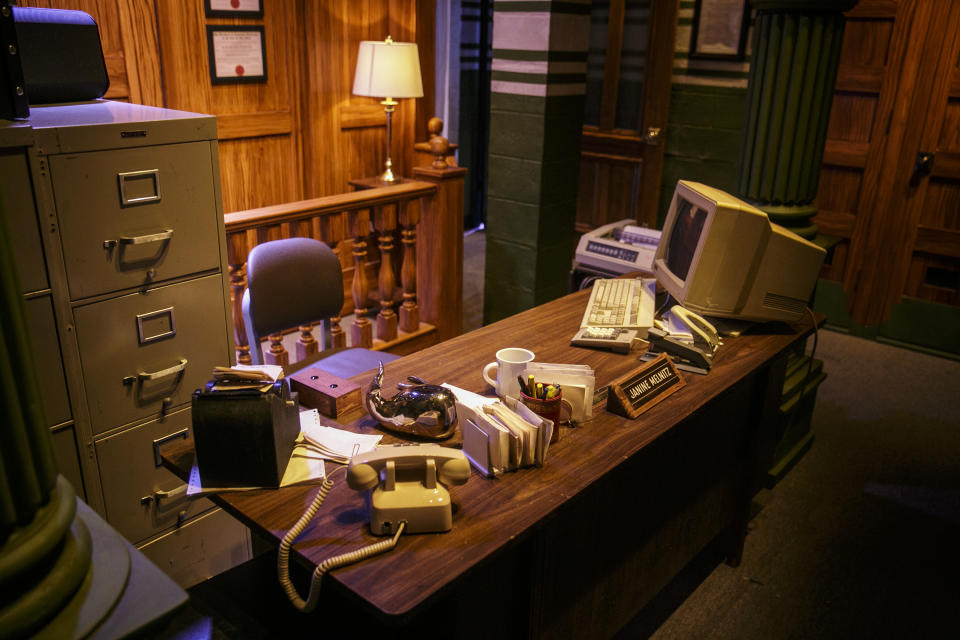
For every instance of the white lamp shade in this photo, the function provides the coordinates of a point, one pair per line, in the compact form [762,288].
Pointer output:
[388,70]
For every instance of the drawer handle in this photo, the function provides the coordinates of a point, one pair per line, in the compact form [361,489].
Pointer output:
[146,238]
[163,373]
[159,442]
[159,495]
[135,176]
[160,236]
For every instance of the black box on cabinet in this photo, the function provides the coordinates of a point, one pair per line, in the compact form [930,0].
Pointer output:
[244,436]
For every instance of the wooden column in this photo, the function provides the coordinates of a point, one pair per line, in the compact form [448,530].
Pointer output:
[440,250]
[796,50]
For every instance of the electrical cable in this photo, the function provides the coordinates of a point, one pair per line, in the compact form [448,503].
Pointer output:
[283,555]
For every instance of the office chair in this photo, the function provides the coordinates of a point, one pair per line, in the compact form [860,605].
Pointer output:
[294,282]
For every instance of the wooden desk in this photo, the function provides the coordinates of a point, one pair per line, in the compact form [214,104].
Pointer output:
[583,542]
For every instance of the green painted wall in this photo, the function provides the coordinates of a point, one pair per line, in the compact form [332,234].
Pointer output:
[703,138]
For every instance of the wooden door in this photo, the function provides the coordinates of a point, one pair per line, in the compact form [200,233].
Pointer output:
[898,96]
[629,64]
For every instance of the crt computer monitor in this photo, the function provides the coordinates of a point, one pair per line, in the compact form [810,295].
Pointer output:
[719,256]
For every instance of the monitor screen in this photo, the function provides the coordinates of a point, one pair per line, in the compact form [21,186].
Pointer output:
[684,237]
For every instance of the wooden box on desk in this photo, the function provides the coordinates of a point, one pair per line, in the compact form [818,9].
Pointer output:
[330,395]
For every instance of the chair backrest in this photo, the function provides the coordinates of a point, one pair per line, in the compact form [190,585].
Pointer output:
[290,282]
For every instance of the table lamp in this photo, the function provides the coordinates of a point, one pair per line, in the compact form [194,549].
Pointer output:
[388,70]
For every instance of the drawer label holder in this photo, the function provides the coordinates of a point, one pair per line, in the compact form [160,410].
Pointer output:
[156,325]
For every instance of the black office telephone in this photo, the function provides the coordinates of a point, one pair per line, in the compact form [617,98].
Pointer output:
[404,490]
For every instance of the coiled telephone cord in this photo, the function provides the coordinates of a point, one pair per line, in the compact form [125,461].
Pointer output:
[283,556]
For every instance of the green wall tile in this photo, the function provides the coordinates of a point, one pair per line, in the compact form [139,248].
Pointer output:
[511,220]
[722,175]
[556,224]
[554,261]
[553,290]
[517,103]
[569,108]
[720,107]
[514,179]
[704,142]
[502,300]
[509,262]
[518,135]
[563,137]
[559,181]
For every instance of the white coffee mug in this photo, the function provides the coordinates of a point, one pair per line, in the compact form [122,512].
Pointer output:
[511,362]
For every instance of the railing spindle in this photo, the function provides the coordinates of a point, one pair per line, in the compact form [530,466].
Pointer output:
[237,250]
[331,229]
[409,216]
[385,222]
[361,332]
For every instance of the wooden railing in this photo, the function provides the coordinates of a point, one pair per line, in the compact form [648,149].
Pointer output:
[425,214]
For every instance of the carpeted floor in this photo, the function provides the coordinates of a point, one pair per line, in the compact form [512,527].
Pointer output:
[862,538]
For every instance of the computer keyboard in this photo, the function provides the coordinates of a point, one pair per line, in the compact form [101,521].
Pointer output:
[620,302]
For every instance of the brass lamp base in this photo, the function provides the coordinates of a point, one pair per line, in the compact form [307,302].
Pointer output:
[388,176]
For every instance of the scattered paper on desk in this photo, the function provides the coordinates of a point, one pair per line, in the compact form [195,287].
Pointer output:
[272,371]
[330,443]
[244,376]
[474,401]
[300,470]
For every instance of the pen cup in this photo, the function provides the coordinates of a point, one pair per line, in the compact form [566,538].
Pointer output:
[548,409]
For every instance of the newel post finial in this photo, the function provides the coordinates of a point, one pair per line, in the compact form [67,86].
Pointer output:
[438,144]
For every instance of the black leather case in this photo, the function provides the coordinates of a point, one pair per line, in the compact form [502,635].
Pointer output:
[60,54]
[244,438]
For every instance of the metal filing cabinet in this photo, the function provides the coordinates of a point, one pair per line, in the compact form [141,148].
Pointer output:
[121,252]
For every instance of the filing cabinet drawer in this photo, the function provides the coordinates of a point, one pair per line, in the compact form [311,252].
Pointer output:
[142,351]
[129,217]
[131,474]
[209,545]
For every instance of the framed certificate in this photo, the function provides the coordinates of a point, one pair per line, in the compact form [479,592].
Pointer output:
[237,54]
[719,30]
[233,8]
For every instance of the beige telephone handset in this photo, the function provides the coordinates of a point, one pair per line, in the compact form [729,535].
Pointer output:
[703,332]
[405,496]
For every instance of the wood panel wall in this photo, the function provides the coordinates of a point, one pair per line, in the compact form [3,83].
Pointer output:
[301,134]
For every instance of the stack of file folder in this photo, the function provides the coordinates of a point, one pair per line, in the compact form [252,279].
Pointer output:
[497,437]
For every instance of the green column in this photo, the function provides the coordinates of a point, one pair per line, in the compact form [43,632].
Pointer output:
[44,550]
[538,82]
[796,49]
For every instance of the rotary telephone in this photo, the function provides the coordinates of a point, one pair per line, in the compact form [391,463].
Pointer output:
[405,493]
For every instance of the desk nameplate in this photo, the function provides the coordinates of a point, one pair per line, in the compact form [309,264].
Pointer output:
[639,390]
